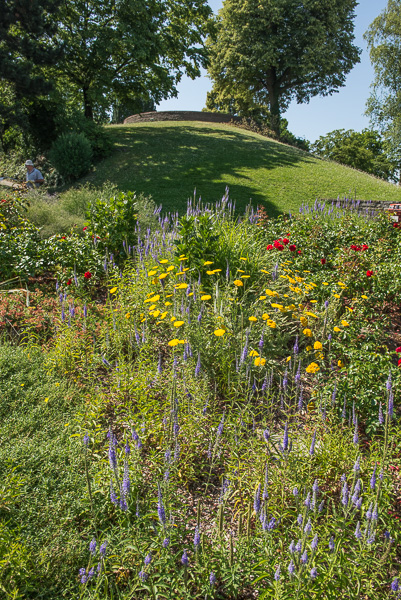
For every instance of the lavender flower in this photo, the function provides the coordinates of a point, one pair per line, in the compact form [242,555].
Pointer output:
[357,465]
[292,547]
[315,487]
[375,514]
[312,447]
[126,480]
[184,559]
[86,440]
[143,575]
[344,494]
[265,495]
[212,578]
[220,427]
[391,404]
[356,436]
[256,501]
[395,586]
[198,366]
[300,520]
[277,574]
[296,347]
[166,542]
[285,439]
[314,543]
[148,559]
[313,573]
[358,533]
[331,544]
[308,527]
[295,492]
[321,506]
[307,501]
[196,538]
[82,573]
[261,341]
[160,507]
[266,435]
[298,546]
[113,497]
[102,549]
[381,418]
[291,568]
[389,384]
[373,479]
[92,547]
[369,512]
[304,558]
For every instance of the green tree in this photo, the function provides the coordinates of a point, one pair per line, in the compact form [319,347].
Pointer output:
[26,31]
[384,105]
[129,49]
[268,52]
[364,151]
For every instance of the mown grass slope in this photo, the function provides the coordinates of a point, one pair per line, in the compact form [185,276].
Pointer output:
[169,160]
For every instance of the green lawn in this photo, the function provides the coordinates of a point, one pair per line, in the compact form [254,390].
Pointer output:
[168,160]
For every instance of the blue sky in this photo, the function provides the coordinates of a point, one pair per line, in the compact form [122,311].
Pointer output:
[342,110]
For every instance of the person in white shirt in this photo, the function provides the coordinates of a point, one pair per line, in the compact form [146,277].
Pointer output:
[34,177]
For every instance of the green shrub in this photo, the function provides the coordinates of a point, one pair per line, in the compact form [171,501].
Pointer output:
[71,155]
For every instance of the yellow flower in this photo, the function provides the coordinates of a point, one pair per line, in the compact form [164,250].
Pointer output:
[304,321]
[178,323]
[262,297]
[312,368]
[364,297]
[253,353]
[265,316]
[307,332]
[151,273]
[313,301]
[341,364]
[164,261]
[113,290]
[308,348]
[259,362]
[311,314]
[171,268]
[344,323]
[155,313]
[325,283]
[317,346]
[208,262]
[169,295]
[46,399]
[271,324]
[181,286]
[167,303]
[242,258]
[240,271]
[217,271]
[271,293]
[173,319]
[279,306]
[245,276]
[183,257]
[253,319]
[319,355]
[163,315]
[152,307]
[219,332]
[209,272]
[288,359]
[238,282]
[152,299]
[127,316]
[174,342]
[163,275]
[337,329]
[264,271]
[336,295]
[205,297]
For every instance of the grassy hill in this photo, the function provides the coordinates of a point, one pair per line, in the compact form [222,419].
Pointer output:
[168,160]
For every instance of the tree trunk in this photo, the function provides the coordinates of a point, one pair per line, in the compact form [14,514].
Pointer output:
[87,104]
[275,116]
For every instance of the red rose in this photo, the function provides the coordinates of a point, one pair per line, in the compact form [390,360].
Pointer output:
[292,247]
[395,225]
[87,275]
[286,241]
[84,229]
[69,282]
[279,247]
[399,362]
[269,247]
[398,349]
[323,261]
[365,247]
[369,273]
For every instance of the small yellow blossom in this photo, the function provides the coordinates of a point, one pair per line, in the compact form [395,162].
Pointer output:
[173,319]
[364,297]
[174,342]
[208,262]
[319,355]
[151,273]
[265,316]
[206,297]
[341,364]
[209,272]
[271,324]
[152,299]
[262,297]
[178,323]
[152,307]
[312,368]
[181,286]
[164,261]
[167,303]
[325,283]
[344,323]
[308,348]
[113,290]
[337,329]
[259,362]
[307,332]
[253,353]
[242,258]
[219,332]
[288,359]
[238,282]
[311,314]
[252,319]
[171,268]
[163,275]
[127,316]
[155,313]
[304,320]
[245,276]
[317,346]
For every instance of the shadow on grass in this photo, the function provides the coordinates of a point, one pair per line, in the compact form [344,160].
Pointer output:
[170,162]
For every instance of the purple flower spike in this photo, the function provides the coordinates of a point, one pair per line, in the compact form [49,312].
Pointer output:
[381,418]
[389,384]
[292,547]
[355,439]
[160,507]
[358,532]
[391,404]
[300,520]
[285,439]
[148,559]
[313,573]
[308,527]
[304,558]
[86,440]
[102,549]
[184,559]
[256,501]
[277,574]
[395,586]
[373,479]
[82,573]
[314,543]
[212,578]
[92,547]
[197,538]
[312,447]
[143,575]
[357,465]
[166,542]
[331,544]
[266,435]
[295,492]
[291,568]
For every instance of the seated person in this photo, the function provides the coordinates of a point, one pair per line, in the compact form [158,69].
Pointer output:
[34,177]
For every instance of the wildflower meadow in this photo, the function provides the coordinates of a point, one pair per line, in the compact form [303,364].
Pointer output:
[201,406]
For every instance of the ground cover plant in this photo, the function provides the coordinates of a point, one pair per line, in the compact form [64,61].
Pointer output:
[228,424]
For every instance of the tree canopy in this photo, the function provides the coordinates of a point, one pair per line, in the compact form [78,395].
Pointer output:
[384,105]
[268,52]
[129,49]
[361,150]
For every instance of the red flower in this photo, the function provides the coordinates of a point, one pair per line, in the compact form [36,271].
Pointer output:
[399,362]
[286,241]
[269,247]
[277,245]
[398,349]
[369,273]
[365,247]
[396,225]
[84,229]
[323,261]
[87,275]
[292,247]
[63,237]
[299,251]
[69,282]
